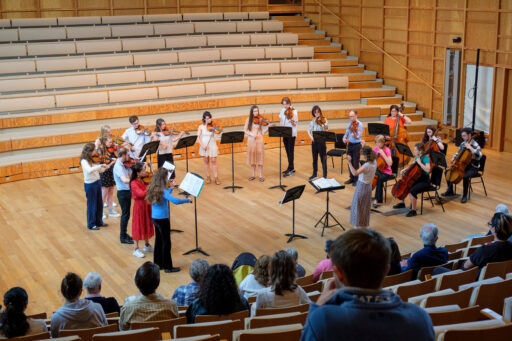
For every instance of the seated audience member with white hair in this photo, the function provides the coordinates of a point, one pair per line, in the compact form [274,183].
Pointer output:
[92,283]
[301,272]
[430,255]
[353,306]
[258,279]
[186,294]
[76,313]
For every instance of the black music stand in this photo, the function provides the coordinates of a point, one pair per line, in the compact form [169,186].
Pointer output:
[378,129]
[197,248]
[280,131]
[293,194]
[149,148]
[404,150]
[232,137]
[438,159]
[327,136]
[324,220]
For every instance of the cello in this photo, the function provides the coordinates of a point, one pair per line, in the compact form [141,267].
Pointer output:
[381,164]
[399,134]
[455,173]
[402,187]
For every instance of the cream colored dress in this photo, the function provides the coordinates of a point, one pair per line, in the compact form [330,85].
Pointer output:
[208,138]
[255,145]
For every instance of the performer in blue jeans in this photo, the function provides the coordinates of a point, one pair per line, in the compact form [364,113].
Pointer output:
[124,195]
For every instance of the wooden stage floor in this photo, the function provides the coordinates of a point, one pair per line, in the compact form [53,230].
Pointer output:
[43,231]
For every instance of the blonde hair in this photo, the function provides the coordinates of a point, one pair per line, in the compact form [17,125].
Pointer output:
[103,131]
[380,138]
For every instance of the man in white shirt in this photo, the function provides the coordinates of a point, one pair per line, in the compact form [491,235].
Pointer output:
[289,142]
[134,141]
[124,195]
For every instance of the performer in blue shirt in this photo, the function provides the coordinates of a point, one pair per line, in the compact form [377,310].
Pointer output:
[353,138]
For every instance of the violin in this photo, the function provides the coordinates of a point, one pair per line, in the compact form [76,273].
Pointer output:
[320,120]
[214,128]
[112,149]
[147,177]
[129,163]
[141,130]
[118,140]
[289,113]
[354,127]
[168,132]
[260,120]
[98,158]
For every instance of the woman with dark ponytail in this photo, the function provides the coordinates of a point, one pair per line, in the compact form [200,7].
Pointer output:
[13,321]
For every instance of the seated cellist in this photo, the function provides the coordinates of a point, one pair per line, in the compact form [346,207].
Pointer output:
[423,181]
[383,153]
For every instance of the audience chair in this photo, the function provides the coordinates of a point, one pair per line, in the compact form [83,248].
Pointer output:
[340,150]
[87,333]
[290,332]
[494,269]
[215,337]
[463,315]
[275,320]
[114,314]
[455,280]
[239,315]
[165,326]
[42,316]
[251,299]
[483,325]
[64,338]
[394,174]
[427,270]
[406,291]
[492,295]
[39,336]
[223,328]
[148,334]
[457,246]
[326,275]
[470,250]
[113,320]
[418,299]
[454,255]
[406,255]
[481,240]
[479,175]
[313,287]
[492,333]
[305,280]
[507,308]
[301,308]
[400,278]
[314,295]
[436,177]
[460,298]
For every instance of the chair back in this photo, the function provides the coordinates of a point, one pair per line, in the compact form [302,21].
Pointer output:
[482,164]
[470,250]
[481,240]
[454,255]
[215,337]
[302,281]
[239,315]
[313,287]
[301,308]
[463,315]
[456,246]
[39,336]
[500,269]
[403,277]
[454,281]
[406,291]
[460,298]
[494,333]
[290,332]
[445,148]
[223,328]
[395,164]
[165,326]
[148,334]
[42,316]
[113,314]
[427,270]
[87,333]
[251,299]
[327,274]
[339,144]
[277,320]
[492,295]
[436,176]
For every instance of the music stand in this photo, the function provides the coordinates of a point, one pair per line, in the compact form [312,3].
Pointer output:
[149,149]
[293,194]
[232,137]
[378,129]
[185,142]
[327,136]
[197,248]
[404,150]
[279,131]
[438,159]
[324,220]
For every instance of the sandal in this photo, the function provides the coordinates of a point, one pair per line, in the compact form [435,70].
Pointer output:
[252,178]
[262,179]
[217,182]
[208,180]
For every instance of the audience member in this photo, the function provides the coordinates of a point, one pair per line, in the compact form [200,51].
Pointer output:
[76,313]
[430,255]
[353,306]
[283,292]
[186,294]
[13,321]
[301,272]
[218,294]
[394,264]
[500,208]
[149,306]
[92,284]
[324,265]
[258,279]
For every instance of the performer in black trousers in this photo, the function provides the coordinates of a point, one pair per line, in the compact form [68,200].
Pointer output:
[318,123]
[353,138]
[289,118]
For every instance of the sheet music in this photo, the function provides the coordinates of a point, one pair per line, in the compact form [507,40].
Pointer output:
[170,167]
[192,184]
[322,183]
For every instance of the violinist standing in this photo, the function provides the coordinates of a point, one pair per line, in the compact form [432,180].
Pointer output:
[353,137]
[92,187]
[142,225]
[289,142]
[107,148]
[255,128]
[208,146]
[122,178]
[471,169]
[135,137]
[165,148]
[318,123]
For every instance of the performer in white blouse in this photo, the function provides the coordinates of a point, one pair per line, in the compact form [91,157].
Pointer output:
[206,133]
[167,140]
[255,128]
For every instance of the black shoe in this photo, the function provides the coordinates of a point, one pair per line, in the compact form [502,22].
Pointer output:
[127,240]
[312,177]
[174,269]
[464,200]
[94,228]
[288,173]
[411,213]
[448,193]
[292,170]
[374,205]
[349,181]
[399,205]
[354,183]
[104,225]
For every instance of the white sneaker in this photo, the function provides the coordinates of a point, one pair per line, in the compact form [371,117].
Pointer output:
[105,204]
[104,217]
[113,213]
[149,248]
[114,204]
[137,253]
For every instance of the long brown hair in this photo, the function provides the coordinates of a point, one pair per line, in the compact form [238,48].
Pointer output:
[283,271]
[251,116]
[261,270]
[157,186]
[425,138]
[369,153]
[87,151]
[158,124]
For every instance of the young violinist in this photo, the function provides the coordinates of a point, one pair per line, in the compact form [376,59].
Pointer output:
[108,149]
[318,148]
[353,137]
[471,169]
[423,160]
[135,137]
[167,140]
[384,153]
[360,209]
[429,136]
[142,225]
[255,128]
[122,174]
[206,133]
[289,118]
[92,187]
[105,132]
[158,194]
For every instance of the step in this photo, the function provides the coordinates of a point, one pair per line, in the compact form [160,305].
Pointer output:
[296,24]
[356,77]
[344,62]
[325,42]
[416,116]
[347,69]
[324,49]
[278,9]
[310,36]
[299,29]
[330,55]
[365,84]
[382,100]
[379,92]
[288,17]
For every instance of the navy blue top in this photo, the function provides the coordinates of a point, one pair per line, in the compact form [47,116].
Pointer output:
[430,255]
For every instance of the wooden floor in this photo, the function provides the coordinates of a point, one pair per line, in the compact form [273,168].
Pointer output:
[44,235]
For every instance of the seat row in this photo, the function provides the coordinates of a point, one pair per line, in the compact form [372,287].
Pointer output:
[131,19]
[136,30]
[169,92]
[93,79]
[151,43]
[123,60]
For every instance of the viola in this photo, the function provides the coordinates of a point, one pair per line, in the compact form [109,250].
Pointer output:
[214,128]
[455,173]
[140,130]
[381,164]
[260,120]
[289,113]
[320,120]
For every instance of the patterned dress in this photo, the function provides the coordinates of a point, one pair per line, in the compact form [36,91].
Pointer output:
[361,202]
